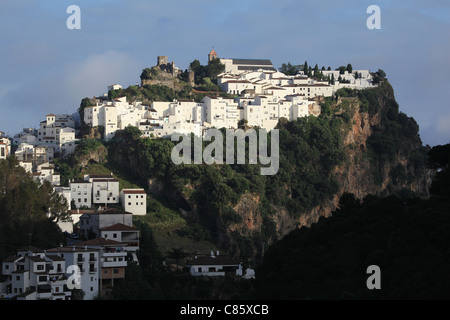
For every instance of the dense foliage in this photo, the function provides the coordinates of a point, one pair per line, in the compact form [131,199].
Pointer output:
[309,149]
[407,238]
[24,209]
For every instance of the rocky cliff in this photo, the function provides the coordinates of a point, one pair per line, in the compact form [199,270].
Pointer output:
[379,153]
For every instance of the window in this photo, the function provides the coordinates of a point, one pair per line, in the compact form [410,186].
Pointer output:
[115,271]
[129,203]
[114,235]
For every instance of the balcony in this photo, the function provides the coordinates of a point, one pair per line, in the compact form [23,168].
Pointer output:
[114,264]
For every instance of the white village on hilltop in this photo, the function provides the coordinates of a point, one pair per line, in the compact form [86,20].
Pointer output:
[260,96]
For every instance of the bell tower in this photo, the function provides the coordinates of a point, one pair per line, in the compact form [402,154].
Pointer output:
[212,55]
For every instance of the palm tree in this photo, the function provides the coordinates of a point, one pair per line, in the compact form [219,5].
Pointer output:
[177,254]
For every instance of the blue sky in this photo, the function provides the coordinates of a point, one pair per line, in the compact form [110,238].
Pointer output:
[46,67]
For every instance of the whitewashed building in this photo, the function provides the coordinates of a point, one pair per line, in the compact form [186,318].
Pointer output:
[112,261]
[134,201]
[125,234]
[33,274]
[214,265]
[105,189]
[57,132]
[87,260]
[5,148]
[92,222]
[81,193]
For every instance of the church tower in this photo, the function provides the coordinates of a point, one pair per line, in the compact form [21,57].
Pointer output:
[212,55]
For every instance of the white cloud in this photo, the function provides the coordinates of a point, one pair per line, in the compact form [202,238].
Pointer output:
[91,76]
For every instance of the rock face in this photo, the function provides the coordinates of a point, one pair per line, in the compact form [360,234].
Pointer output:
[355,175]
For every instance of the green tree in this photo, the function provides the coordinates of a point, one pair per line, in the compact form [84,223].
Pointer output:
[214,68]
[146,74]
[289,69]
[349,68]
[177,254]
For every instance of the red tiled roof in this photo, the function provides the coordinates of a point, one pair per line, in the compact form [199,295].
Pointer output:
[118,227]
[101,242]
[133,191]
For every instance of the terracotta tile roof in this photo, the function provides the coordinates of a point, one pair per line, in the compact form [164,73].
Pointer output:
[133,191]
[102,242]
[118,227]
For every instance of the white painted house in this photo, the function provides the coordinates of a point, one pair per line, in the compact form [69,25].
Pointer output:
[87,260]
[105,189]
[81,193]
[33,274]
[134,201]
[57,132]
[214,265]
[92,222]
[112,261]
[125,234]
[5,148]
